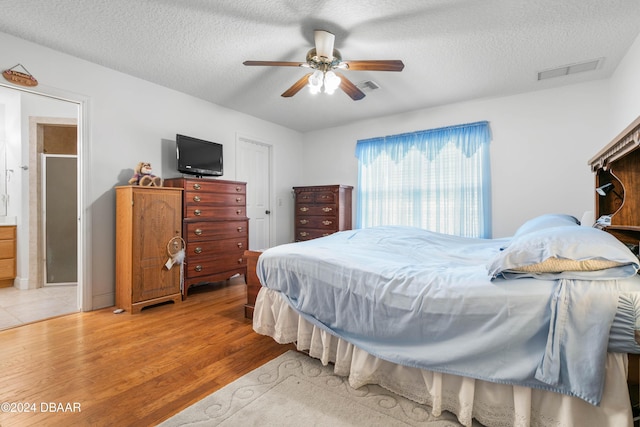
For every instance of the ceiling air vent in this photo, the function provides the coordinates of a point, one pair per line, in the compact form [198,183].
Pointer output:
[570,69]
[368,86]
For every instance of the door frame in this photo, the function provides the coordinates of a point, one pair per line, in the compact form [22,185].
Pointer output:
[84,291]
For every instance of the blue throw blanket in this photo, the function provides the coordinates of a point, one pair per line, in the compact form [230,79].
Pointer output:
[425,299]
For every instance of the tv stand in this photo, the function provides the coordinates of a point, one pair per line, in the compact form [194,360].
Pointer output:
[215,228]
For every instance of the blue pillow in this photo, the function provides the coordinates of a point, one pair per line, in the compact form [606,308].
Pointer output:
[585,253]
[546,221]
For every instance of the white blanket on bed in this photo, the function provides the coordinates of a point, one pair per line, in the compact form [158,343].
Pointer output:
[425,299]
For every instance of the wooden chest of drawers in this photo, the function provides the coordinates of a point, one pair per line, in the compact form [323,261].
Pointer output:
[215,229]
[321,210]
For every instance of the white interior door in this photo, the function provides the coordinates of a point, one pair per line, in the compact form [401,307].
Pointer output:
[253,166]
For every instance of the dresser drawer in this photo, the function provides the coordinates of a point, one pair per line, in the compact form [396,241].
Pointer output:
[7,249]
[7,232]
[317,222]
[308,234]
[316,197]
[211,248]
[214,186]
[219,212]
[302,209]
[208,230]
[7,268]
[214,199]
[206,267]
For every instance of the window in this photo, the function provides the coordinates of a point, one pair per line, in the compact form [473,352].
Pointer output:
[436,179]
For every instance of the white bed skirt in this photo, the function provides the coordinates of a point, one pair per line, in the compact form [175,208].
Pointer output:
[489,403]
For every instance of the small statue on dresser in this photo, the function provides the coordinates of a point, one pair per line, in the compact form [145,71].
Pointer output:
[144,176]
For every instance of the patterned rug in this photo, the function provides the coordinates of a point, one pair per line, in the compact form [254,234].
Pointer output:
[295,389]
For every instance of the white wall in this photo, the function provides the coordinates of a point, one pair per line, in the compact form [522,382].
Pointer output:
[539,151]
[541,142]
[130,121]
[625,91]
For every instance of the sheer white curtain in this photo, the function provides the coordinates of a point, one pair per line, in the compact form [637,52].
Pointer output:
[436,179]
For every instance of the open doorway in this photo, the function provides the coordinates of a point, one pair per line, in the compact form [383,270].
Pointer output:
[46,125]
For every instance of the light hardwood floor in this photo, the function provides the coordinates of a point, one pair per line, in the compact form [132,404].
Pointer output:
[129,370]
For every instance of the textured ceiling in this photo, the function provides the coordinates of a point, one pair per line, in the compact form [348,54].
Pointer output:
[453,50]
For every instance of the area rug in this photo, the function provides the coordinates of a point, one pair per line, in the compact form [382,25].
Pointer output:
[295,390]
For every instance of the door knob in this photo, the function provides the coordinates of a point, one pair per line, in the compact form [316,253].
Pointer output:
[267,212]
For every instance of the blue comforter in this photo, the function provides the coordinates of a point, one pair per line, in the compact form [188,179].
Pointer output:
[425,299]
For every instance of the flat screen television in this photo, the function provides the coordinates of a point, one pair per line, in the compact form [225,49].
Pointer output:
[198,157]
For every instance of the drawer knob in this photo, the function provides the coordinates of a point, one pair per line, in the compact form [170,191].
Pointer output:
[304,221]
[197,212]
[238,199]
[325,234]
[305,197]
[324,196]
[198,268]
[304,234]
[327,209]
[196,186]
[239,229]
[198,232]
[198,250]
[239,260]
[196,198]
[239,244]
[238,188]
[304,209]
[327,222]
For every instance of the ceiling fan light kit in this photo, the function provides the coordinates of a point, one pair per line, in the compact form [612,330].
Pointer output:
[324,59]
[319,79]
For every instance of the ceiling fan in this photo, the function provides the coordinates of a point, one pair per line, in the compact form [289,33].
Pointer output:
[324,60]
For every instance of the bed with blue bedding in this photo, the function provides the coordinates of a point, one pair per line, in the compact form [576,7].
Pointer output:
[528,330]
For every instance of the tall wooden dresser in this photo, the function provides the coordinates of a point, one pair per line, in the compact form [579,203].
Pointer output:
[321,210]
[215,229]
[148,219]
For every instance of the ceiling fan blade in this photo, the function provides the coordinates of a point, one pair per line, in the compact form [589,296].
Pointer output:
[295,88]
[375,65]
[349,88]
[275,63]
[324,43]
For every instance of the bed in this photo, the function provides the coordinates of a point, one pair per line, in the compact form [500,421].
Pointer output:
[530,330]
[379,303]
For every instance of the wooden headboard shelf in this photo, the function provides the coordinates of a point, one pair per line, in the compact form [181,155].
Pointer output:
[628,140]
[618,163]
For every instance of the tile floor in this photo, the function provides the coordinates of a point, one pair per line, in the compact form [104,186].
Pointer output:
[18,307]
